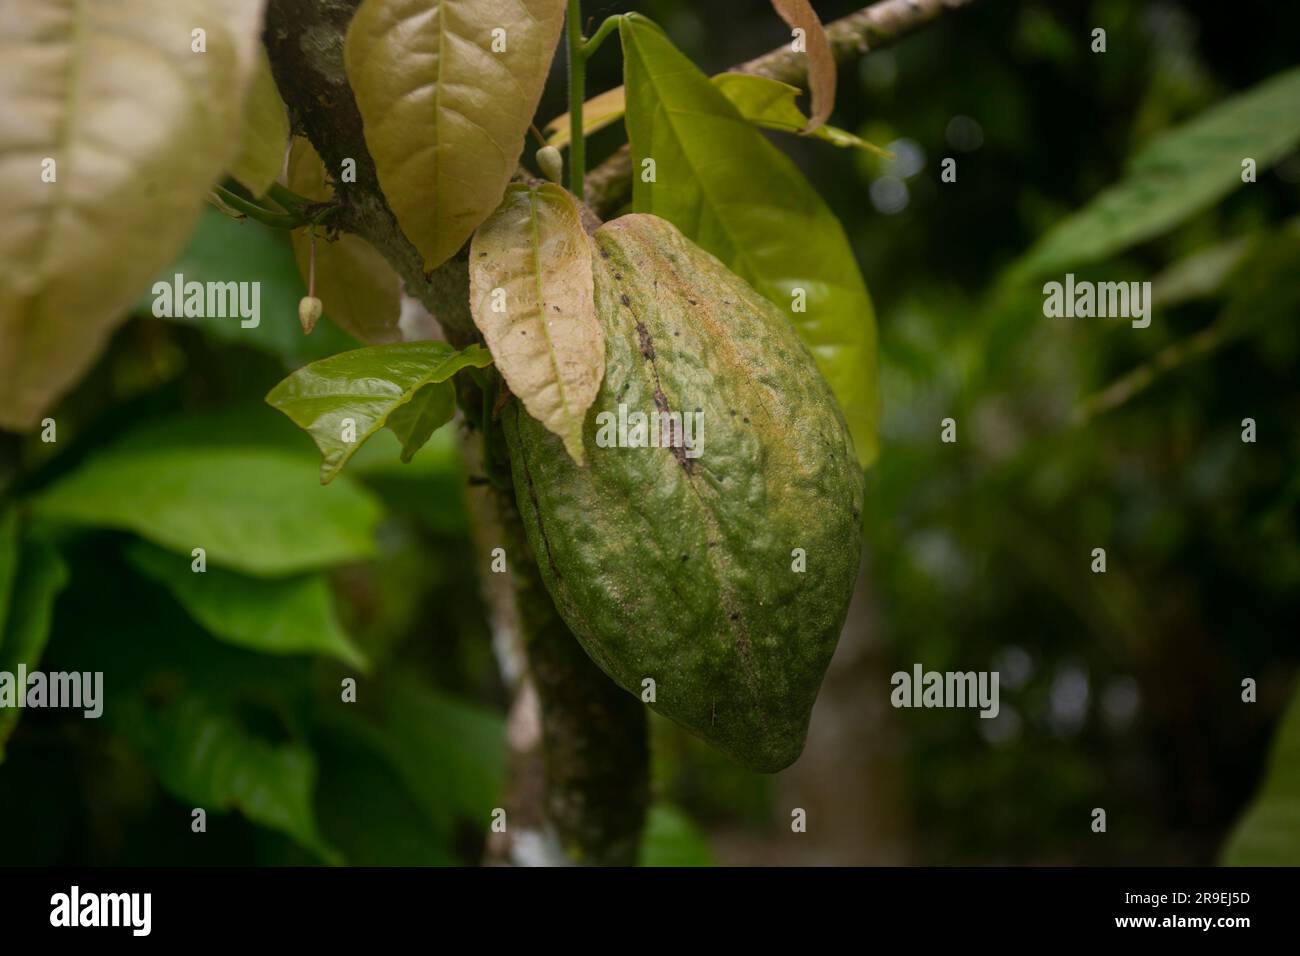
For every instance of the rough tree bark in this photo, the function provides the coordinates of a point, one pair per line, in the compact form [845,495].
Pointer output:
[578,782]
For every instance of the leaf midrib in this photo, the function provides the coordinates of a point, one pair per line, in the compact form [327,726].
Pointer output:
[58,205]
[536,231]
[382,421]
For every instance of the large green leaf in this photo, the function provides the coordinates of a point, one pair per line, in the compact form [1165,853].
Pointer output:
[1176,175]
[41,575]
[206,757]
[236,424]
[292,615]
[444,113]
[532,295]
[731,191]
[1269,833]
[139,127]
[404,386]
[253,509]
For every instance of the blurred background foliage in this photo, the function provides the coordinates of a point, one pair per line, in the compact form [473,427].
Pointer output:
[1119,690]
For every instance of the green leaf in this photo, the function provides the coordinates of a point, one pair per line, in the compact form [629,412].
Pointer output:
[366,810]
[381,457]
[763,101]
[532,295]
[223,250]
[415,422]
[450,753]
[366,387]
[138,127]
[9,544]
[1269,833]
[735,194]
[1202,274]
[293,615]
[265,132]
[671,839]
[168,653]
[1185,170]
[772,104]
[1260,289]
[41,575]
[205,757]
[252,509]
[445,114]
[245,423]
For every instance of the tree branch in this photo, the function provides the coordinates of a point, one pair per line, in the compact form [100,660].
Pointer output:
[609,185]
[853,36]
[305,41]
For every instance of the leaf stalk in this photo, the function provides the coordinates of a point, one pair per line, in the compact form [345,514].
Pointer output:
[254,211]
[577,61]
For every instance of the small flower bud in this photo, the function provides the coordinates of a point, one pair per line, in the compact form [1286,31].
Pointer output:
[309,310]
[551,163]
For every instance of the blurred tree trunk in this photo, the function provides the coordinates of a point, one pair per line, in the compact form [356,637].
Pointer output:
[850,779]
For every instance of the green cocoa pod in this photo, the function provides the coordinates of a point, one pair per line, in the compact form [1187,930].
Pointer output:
[683,564]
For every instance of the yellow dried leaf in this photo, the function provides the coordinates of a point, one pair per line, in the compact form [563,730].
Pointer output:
[532,295]
[111,132]
[447,90]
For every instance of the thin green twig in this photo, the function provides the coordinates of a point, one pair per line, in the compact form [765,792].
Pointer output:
[289,199]
[1119,392]
[580,50]
[597,38]
[577,93]
[254,211]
